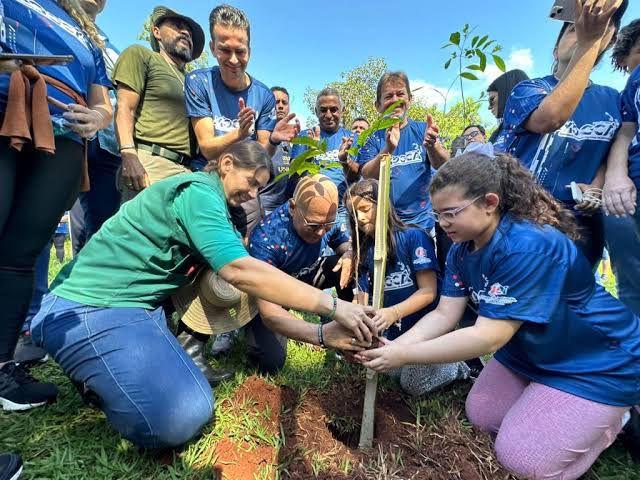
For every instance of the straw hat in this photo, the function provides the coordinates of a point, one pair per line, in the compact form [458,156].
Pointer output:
[211,306]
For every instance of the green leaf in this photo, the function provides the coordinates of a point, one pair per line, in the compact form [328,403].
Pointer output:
[474,41]
[466,28]
[389,110]
[446,46]
[353,151]
[306,141]
[386,123]
[483,59]
[281,176]
[448,63]
[482,40]
[468,76]
[323,146]
[455,38]
[496,49]
[474,67]
[499,63]
[331,165]
[364,136]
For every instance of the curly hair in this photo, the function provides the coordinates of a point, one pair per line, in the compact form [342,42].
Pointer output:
[520,195]
[75,11]
[626,40]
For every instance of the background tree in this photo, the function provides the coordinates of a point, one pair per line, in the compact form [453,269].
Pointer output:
[201,62]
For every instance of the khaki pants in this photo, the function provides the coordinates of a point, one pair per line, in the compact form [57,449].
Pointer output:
[157,168]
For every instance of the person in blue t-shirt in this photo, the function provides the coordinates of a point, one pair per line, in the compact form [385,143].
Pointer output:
[567,353]
[292,239]
[41,156]
[411,155]
[329,109]
[411,283]
[622,179]
[561,126]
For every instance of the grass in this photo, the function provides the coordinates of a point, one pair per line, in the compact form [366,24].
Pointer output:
[70,441]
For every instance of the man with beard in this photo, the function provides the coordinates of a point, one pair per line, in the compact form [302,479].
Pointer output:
[151,122]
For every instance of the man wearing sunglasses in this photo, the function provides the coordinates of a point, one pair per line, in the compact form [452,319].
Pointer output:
[294,238]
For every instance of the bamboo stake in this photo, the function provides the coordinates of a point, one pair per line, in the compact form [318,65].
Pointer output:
[379,270]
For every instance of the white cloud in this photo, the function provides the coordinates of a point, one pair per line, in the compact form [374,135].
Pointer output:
[429,94]
[521,58]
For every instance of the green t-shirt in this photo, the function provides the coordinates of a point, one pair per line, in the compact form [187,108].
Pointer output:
[161,116]
[144,252]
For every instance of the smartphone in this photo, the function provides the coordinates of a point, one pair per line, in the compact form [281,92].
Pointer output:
[37,59]
[563,10]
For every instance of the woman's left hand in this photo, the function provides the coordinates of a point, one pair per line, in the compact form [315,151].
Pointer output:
[345,265]
[382,359]
[83,120]
[385,318]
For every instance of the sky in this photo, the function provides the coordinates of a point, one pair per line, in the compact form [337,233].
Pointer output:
[301,43]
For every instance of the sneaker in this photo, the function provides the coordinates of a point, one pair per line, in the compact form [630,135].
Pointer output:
[20,391]
[223,343]
[27,353]
[10,466]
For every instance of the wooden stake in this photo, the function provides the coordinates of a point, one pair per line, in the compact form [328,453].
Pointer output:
[379,271]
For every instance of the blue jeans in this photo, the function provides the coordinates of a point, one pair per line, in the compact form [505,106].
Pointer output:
[623,243]
[149,388]
[101,202]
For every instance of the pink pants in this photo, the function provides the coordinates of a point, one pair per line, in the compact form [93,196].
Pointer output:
[541,432]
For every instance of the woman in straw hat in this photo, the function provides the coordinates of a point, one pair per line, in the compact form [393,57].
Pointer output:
[102,321]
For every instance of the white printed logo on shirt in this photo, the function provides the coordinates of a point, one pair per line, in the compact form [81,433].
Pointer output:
[408,158]
[602,130]
[398,280]
[421,257]
[496,294]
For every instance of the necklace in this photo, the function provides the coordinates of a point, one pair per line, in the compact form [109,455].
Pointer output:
[173,71]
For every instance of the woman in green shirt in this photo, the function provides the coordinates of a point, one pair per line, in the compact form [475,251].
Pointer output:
[103,323]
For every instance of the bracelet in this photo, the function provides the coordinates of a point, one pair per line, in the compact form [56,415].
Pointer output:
[274,143]
[127,147]
[321,336]
[332,314]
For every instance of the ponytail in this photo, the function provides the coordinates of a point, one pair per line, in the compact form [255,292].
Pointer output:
[520,195]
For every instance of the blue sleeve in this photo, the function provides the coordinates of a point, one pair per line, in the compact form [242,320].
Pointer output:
[363,281]
[196,96]
[369,150]
[261,247]
[101,78]
[267,115]
[522,286]
[627,99]
[423,255]
[338,235]
[453,285]
[525,98]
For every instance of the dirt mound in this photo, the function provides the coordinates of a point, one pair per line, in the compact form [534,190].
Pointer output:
[321,433]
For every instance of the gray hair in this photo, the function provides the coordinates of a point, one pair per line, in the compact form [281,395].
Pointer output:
[229,16]
[328,92]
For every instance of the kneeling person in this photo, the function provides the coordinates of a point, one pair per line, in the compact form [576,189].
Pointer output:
[293,238]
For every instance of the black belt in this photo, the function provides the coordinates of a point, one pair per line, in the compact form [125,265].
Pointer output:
[163,152]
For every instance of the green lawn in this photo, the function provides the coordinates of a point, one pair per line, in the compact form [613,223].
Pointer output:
[70,441]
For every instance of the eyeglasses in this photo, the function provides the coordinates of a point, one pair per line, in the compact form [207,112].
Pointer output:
[317,226]
[472,135]
[449,216]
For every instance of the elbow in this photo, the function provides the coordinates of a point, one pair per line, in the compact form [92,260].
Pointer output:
[547,122]
[238,276]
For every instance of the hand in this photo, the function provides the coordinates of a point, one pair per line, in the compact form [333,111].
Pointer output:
[133,174]
[284,131]
[593,19]
[385,318]
[356,319]
[83,120]
[432,133]
[343,155]
[591,203]
[338,337]
[383,359]
[246,120]
[345,265]
[619,195]
[392,138]
[9,66]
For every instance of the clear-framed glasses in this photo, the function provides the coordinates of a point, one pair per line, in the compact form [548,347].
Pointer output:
[449,216]
[317,226]
[471,135]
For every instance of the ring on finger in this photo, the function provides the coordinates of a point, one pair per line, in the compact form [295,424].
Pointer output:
[353,340]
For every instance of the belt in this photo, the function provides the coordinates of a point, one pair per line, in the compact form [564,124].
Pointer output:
[155,149]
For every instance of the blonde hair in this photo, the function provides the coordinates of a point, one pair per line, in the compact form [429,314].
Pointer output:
[75,11]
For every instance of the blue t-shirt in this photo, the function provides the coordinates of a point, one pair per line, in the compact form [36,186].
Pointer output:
[414,253]
[575,337]
[334,140]
[576,150]
[410,173]
[206,95]
[274,193]
[631,113]
[275,241]
[42,27]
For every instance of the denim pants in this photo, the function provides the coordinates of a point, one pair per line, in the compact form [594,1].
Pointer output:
[623,243]
[149,388]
